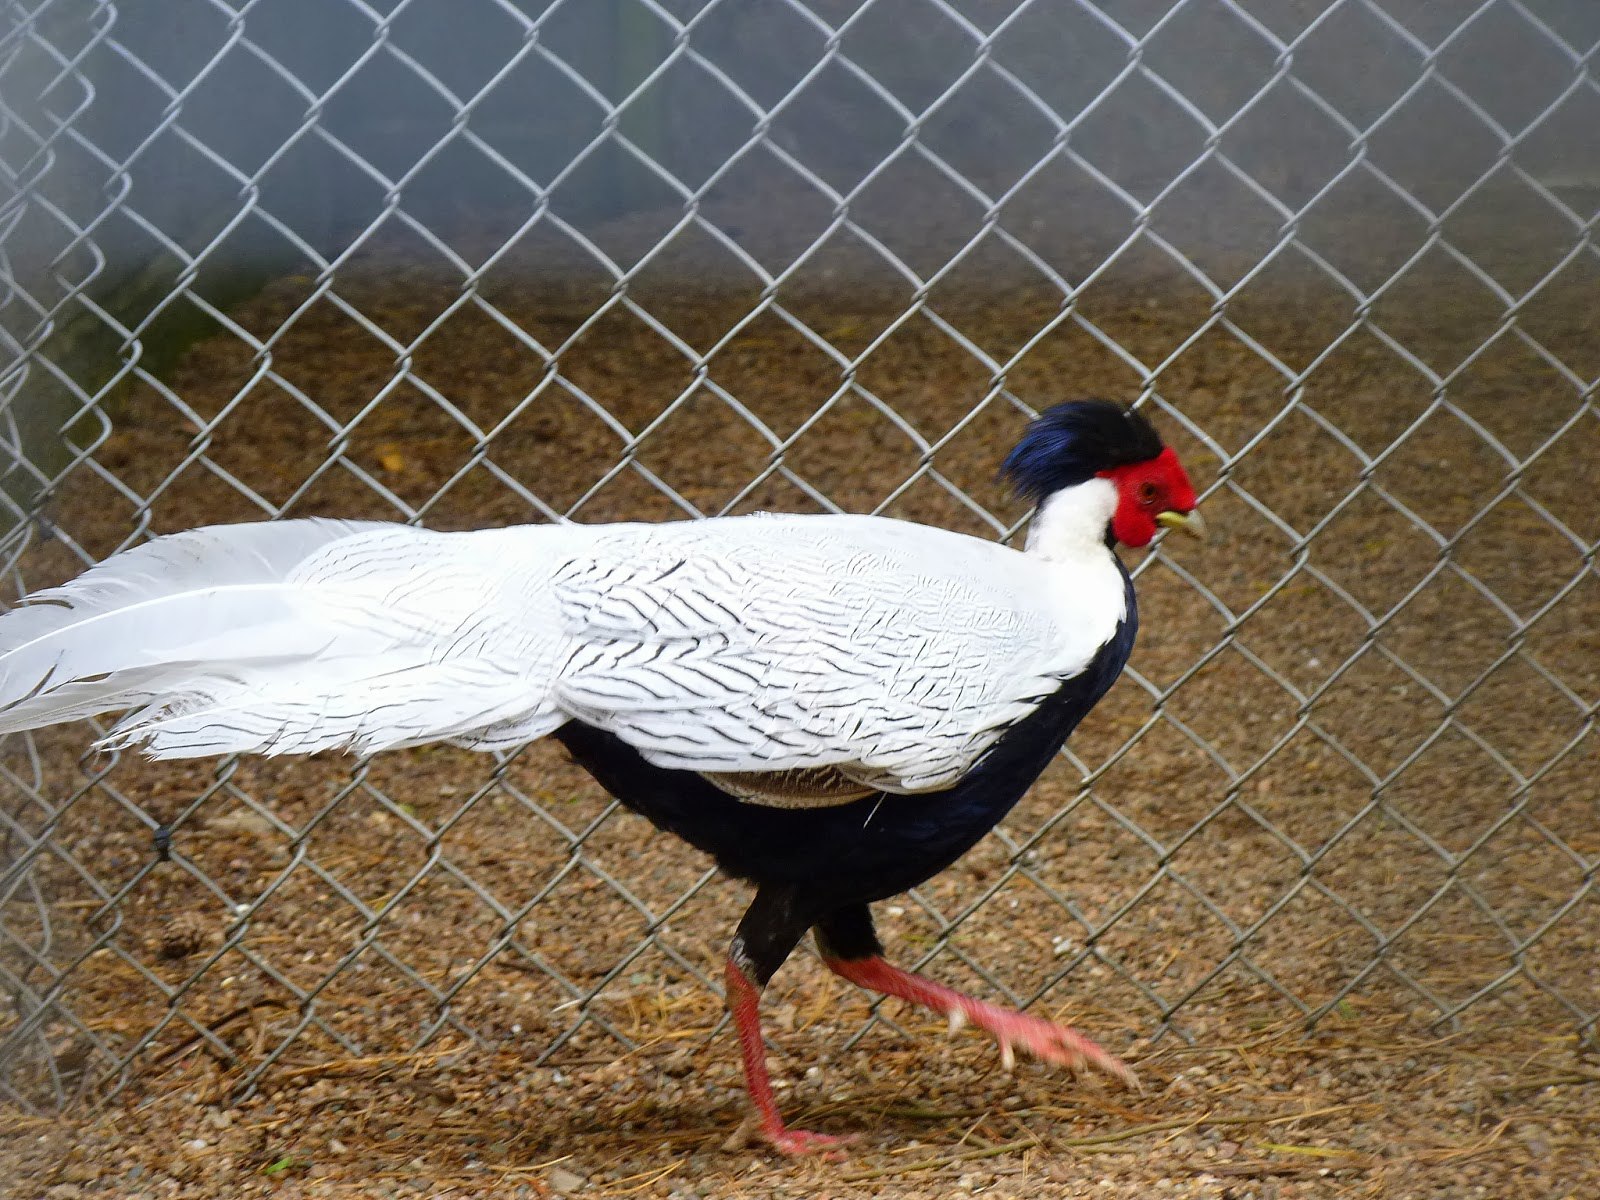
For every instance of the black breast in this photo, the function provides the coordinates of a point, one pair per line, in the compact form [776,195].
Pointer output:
[870,848]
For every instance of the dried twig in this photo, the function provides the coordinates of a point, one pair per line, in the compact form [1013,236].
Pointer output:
[216,1026]
[1577,1078]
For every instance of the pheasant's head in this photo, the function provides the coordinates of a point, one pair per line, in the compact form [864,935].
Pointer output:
[1075,443]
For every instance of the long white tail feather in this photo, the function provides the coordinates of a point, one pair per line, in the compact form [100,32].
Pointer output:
[78,701]
[277,638]
[147,606]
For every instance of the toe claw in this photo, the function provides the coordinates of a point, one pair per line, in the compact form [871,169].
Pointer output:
[1050,1043]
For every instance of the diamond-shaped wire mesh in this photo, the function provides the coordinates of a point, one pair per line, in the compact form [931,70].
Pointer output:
[477,263]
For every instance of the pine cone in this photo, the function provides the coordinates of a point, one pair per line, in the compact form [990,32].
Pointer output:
[186,934]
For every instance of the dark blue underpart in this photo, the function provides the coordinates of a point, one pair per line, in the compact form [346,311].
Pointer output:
[813,863]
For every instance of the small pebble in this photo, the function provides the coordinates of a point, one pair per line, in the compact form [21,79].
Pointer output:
[563,1181]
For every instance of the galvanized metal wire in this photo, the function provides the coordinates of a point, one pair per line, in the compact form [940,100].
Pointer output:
[90,261]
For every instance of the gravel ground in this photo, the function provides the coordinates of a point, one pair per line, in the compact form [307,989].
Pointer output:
[1234,862]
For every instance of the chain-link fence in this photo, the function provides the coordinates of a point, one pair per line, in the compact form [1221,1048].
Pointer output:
[476,263]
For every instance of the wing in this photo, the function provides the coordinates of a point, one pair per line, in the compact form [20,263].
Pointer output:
[894,653]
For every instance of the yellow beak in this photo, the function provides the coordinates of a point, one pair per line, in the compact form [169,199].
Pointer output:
[1189,522]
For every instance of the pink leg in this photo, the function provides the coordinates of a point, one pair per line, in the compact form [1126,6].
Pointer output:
[1043,1039]
[744,999]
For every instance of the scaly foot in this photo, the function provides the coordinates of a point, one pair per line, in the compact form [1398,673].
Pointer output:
[797,1142]
[793,1142]
[1043,1039]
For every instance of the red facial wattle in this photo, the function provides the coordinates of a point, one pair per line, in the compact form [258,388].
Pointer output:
[1145,490]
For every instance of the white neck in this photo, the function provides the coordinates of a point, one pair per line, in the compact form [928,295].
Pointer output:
[1072,523]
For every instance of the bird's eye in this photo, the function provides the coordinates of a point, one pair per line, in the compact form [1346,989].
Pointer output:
[1146,492]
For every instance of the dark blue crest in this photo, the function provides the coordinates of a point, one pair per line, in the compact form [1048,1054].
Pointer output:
[1070,443]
